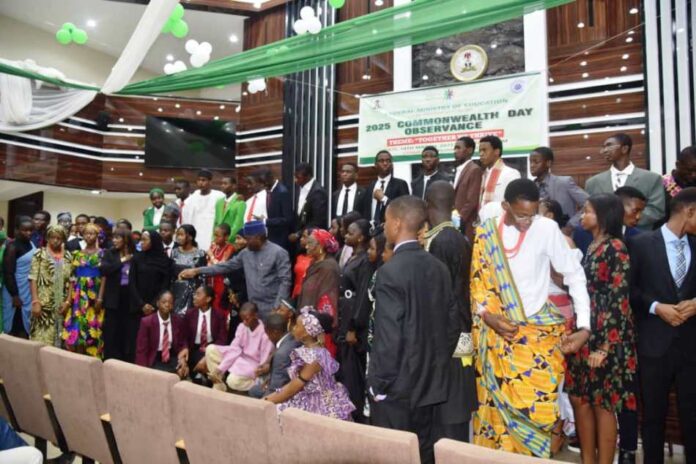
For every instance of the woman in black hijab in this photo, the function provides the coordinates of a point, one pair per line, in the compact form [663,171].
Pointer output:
[149,275]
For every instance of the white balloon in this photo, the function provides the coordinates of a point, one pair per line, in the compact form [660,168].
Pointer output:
[169,68]
[262,86]
[179,66]
[307,12]
[300,27]
[314,26]
[204,48]
[199,60]
[251,87]
[191,46]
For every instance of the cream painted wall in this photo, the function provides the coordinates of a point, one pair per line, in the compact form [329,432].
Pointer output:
[20,41]
[3,211]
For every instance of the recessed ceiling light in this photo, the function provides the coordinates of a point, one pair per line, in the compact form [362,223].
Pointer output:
[585,75]
[198,112]
[238,109]
[623,68]
[91,23]
[170,57]
[178,105]
[633,32]
[222,107]
[629,39]
[245,93]
[581,25]
[379,2]
[216,118]
[633,11]
[585,136]
[155,98]
[140,174]
[624,56]
[583,63]
[234,38]
[550,79]
[618,100]
[95,192]
[587,53]
[120,119]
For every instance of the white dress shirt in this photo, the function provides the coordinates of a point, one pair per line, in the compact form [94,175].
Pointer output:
[544,246]
[302,198]
[161,331]
[351,198]
[458,172]
[203,315]
[259,206]
[157,217]
[507,175]
[168,248]
[378,185]
[618,178]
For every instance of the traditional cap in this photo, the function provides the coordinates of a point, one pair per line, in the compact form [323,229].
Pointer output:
[326,240]
[157,190]
[310,322]
[253,228]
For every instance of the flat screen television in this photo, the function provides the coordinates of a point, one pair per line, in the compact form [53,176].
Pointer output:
[187,143]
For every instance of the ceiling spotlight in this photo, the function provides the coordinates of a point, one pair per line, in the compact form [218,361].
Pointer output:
[198,112]
[91,23]
[583,63]
[585,136]
[245,93]
[170,57]
[623,68]
[95,192]
[178,105]
[425,77]
[550,79]
[633,32]
[585,75]
[587,53]
[438,52]
[159,110]
[629,39]
[216,118]
[618,100]
[366,77]
[222,107]
[238,109]
[257,5]
[234,38]
[379,2]
[624,56]
[140,174]
[120,119]
[581,25]
[155,98]
[633,11]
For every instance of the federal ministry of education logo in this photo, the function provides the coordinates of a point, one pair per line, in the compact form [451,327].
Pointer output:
[469,63]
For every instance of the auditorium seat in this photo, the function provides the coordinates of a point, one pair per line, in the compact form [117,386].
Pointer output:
[310,438]
[139,403]
[75,383]
[456,452]
[221,428]
[20,370]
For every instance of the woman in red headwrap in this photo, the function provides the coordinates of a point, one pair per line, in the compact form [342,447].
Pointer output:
[320,286]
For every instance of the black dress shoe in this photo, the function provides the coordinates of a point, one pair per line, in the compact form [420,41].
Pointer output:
[627,457]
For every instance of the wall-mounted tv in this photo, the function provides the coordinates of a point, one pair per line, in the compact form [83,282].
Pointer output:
[187,143]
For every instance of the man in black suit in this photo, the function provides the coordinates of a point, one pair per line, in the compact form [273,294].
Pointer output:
[430,172]
[77,243]
[385,188]
[279,220]
[416,330]
[663,298]
[311,202]
[350,196]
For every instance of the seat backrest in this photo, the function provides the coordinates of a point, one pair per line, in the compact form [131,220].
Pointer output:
[20,371]
[222,428]
[76,385]
[456,452]
[139,402]
[310,438]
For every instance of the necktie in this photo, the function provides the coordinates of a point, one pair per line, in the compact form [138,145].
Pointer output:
[250,214]
[204,335]
[344,207]
[543,193]
[620,180]
[181,212]
[165,343]
[378,207]
[680,271]
[425,187]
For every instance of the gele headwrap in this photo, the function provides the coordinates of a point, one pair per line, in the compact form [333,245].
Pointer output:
[326,240]
[310,322]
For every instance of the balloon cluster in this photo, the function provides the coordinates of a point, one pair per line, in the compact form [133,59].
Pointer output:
[308,22]
[176,24]
[256,85]
[69,33]
[177,66]
[200,52]
[337,3]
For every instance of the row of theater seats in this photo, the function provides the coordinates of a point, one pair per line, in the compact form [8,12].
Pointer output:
[115,412]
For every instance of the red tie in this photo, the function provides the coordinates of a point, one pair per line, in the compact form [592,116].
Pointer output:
[204,334]
[250,214]
[165,344]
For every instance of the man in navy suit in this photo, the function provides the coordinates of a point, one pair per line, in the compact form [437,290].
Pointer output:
[663,299]
[382,190]
[350,196]
[311,202]
[279,220]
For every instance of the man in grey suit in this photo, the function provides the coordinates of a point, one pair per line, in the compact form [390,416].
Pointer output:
[617,149]
[277,367]
[562,189]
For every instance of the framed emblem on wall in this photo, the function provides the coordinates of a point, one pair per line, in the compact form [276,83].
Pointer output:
[469,63]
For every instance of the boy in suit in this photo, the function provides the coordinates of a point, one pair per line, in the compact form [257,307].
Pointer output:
[230,209]
[311,202]
[617,150]
[383,190]
[430,172]
[203,327]
[467,185]
[277,368]
[350,196]
[663,299]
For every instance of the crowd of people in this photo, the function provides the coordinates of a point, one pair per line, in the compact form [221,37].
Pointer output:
[530,309]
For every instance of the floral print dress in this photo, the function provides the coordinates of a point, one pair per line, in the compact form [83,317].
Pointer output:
[82,328]
[607,268]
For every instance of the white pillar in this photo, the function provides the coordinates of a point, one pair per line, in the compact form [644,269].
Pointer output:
[402,76]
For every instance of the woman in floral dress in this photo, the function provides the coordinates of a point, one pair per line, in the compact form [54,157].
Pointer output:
[312,385]
[601,372]
[82,328]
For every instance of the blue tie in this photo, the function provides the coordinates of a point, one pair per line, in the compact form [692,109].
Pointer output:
[680,271]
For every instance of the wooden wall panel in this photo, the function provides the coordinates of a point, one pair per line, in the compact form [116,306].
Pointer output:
[597,106]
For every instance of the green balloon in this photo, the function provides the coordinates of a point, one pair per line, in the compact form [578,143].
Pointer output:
[63,37]
[167,28]
[337,3]
[79,36]
[178,12]
[69,27]
[180,29]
